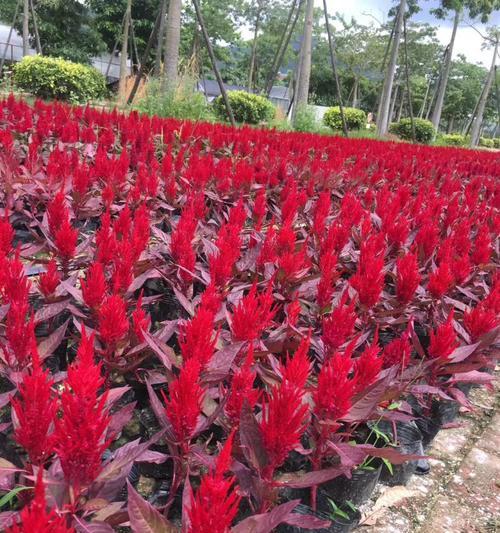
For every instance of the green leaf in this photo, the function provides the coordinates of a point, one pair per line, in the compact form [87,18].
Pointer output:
[388,464]
[7,498]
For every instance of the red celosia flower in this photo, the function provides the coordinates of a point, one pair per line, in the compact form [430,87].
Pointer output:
[49,280]
[211,299]
[20,334]
[397,352]
[35,411]
[6,235]
[408,277]
[428,238]
[105,240]
[123,266]
[80,432]
[329,275]
[252,314]
[482,246]
[440,281]
[113,322]
[322,210]
[284,420]
[334,390]
[14,284]
[57,212]
[369,279]
[338,325]
[221,264]
[181,247]
[65,240]
[196,337]
[215,504]
[460,268]
[293,310]
[443,340]
[368,366]
[297,368]
[183,407]
[34,518]
[140,320]
[94,286]
[480,320]
[242,390]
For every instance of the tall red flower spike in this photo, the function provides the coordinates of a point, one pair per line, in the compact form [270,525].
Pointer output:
[443,340]
[80,431]
[215,504]
[34,518]
[183,406]
[35,410]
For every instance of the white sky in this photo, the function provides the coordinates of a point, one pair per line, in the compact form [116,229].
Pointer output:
[468,41]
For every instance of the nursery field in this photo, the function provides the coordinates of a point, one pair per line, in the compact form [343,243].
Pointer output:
[208,330]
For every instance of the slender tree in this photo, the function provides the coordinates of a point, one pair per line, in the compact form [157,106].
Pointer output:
[258,15]
[334,70]
[161,37]
[478,120]
[304,74]
[26,27]
[385,99]
[445,74]
[284,42]
[123,55]
[172,43]
[211,54]
[38,43]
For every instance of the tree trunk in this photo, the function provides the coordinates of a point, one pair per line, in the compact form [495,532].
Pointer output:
[426,95]
[26,27]
[355,92]
[161,38]
[451,123]
[401,104]
[285,41]
[211,54]
[304,78]
[393,103]
[438,108]
[2,62]
[254,46]
[408,86]
[144,59]
[333,61]
[123,54]
[476,125]
[172,43]
[385,99]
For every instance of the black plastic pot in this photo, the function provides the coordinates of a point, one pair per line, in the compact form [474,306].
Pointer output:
[356,490]
[409,439]
[338,524]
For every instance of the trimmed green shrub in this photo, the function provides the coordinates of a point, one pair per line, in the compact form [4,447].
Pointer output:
[355,118]
[49,77]
[486,143]
[496,142]
[248,108]
[424,130]
[453,139]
